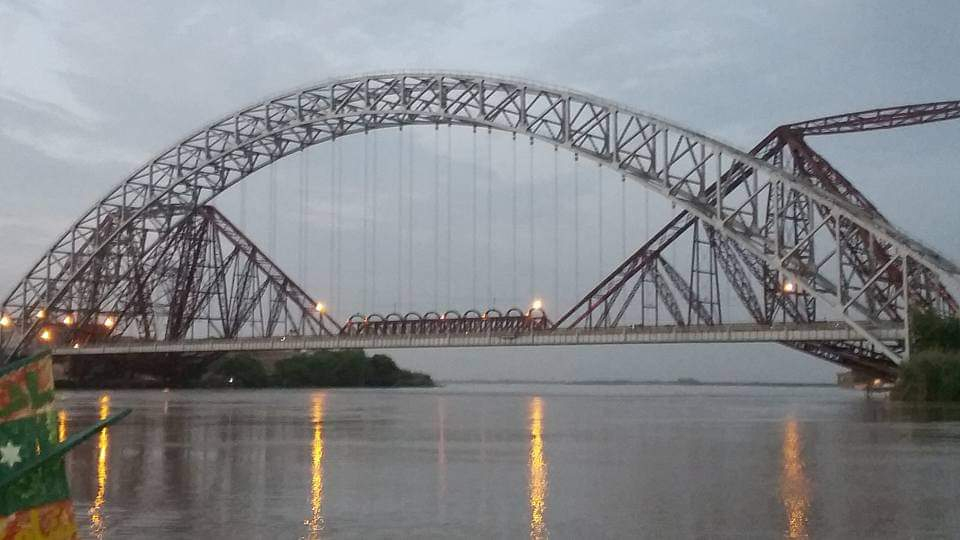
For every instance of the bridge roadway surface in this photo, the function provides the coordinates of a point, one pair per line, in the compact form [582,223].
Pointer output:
[721,333]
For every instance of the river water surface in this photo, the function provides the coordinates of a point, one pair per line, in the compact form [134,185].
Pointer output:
[513,461]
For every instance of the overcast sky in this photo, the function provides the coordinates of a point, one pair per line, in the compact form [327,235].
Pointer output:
[90,90]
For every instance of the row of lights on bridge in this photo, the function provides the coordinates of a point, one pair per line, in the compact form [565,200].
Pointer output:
[109,321]
[46,334]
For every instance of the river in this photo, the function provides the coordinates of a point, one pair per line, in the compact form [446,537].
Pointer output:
[495,461]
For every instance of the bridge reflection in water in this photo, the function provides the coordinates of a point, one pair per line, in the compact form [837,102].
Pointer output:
[538,471]
[315,524]
[794,487]
[97,522]
[441,457]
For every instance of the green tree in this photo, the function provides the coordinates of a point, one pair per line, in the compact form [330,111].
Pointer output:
[244,370]
[933,371]
[345,368]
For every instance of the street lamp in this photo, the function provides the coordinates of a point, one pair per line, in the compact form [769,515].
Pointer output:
[109,322]
[321,308]
[42,313]
[5,322]
[46,334]
[68,320]
[789,287]
[536,305]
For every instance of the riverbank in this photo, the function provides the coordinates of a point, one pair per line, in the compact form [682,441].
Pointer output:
[319,369]
[651,382]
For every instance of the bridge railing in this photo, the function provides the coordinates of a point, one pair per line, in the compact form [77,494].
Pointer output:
[450,322]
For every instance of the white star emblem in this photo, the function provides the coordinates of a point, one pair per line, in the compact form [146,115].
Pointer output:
[9,454]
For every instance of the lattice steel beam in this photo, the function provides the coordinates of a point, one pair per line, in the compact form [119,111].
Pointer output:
[206,278]
[873,119]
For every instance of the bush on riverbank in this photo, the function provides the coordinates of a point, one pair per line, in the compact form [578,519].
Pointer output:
[929,376]
[344,368]
[931,331]
[933,371]
[241,370]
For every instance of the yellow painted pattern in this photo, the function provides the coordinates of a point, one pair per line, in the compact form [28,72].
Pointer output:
[62,422]
[53,521]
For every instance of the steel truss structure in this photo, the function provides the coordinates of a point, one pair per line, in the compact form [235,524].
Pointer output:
[865,268]
[210,274]
[207,277]
[793,237]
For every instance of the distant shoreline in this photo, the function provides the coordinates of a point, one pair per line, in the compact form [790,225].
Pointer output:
[643,383]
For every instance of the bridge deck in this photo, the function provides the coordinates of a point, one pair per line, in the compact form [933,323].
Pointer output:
[724,333]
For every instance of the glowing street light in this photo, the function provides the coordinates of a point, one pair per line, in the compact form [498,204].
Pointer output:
[109,322]
[68,320]
[537,304]
[76,345]
[5,320]
[321,308]
[41,314]
[789,287]
[46,334]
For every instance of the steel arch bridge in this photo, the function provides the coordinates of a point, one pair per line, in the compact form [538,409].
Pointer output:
[797,242]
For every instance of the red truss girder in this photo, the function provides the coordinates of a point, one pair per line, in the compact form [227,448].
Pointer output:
[890,117]
[471,322]
[321,323]
[207,272]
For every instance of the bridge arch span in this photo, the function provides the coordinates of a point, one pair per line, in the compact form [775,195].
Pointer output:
[722,186]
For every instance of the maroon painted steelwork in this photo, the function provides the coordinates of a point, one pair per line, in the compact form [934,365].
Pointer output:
[886,118]
[451,322]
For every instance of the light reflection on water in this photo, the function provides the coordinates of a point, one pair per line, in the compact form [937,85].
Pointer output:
[538,471]
[794,488]
[315,524]
[479,462]
[97,522]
